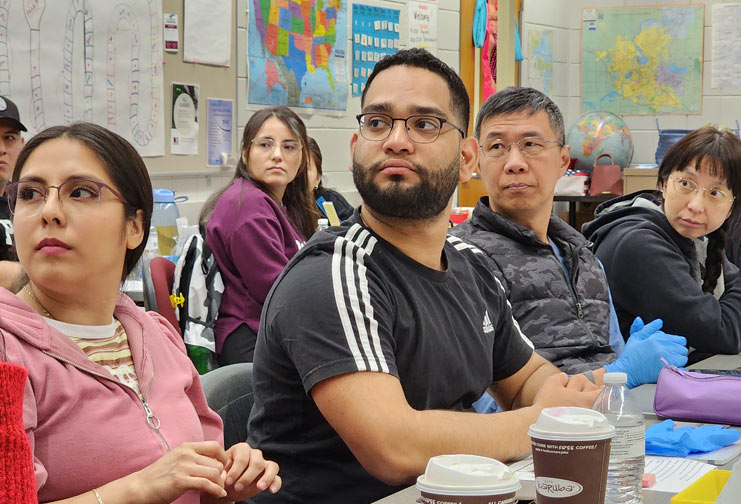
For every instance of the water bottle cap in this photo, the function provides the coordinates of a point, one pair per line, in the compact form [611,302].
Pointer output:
[322,221]
[616,378]
[163,196]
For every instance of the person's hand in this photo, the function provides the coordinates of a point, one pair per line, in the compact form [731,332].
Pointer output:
[560,390]
[246,472]
[647,345]
[190,466]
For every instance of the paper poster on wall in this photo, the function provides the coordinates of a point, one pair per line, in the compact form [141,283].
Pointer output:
[95,61]
[540,60]
[172,40]
[726,39]
[375,34]
[423,25]
[184,132]
[207,32]
[220,128]
[296,53]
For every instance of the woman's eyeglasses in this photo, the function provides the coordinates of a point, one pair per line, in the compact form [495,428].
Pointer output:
[714,195]
[289,149]
[78,196]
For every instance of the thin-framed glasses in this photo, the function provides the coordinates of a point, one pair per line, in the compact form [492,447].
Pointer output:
[78,196]
[288,148]
[714,195]
[420,128]
[529,146]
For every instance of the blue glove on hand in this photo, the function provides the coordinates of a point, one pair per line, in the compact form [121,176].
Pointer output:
[664,439]
[647,345]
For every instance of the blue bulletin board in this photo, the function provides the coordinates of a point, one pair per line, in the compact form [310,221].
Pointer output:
[375,35]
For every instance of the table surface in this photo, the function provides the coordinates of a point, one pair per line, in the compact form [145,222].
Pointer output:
[643,394]
[585,199]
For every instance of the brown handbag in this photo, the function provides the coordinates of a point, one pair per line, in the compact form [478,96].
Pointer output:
[607,179]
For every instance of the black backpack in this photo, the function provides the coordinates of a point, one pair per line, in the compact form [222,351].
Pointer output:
[197,291]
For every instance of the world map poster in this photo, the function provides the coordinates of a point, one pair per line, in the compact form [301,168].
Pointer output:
[642,60]
[296,53]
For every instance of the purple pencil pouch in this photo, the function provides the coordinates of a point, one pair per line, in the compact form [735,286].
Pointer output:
[698,397]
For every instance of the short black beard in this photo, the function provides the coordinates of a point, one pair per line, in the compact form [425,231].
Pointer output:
[424,201]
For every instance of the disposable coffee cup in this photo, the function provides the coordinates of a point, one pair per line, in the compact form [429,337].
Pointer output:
[466,479]
[571,453]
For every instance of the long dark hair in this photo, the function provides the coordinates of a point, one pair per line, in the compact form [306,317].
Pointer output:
[720,151]
[316,155]
[122,164]
[297,199]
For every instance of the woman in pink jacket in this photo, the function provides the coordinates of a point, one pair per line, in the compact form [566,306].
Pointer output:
[113,408]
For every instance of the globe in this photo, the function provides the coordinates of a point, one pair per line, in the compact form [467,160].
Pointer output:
[596,133]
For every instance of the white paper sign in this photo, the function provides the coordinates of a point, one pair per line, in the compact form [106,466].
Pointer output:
[207,32]
[172,40]
[423,25]
[184,132]
[220,130]
[725,43]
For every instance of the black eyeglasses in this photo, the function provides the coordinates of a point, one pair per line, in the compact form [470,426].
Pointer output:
[420,128]
[78,196]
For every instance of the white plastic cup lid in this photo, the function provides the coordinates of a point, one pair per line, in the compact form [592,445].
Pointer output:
[467,475]
[572,424]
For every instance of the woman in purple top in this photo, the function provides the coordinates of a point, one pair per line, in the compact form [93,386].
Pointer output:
[257,223]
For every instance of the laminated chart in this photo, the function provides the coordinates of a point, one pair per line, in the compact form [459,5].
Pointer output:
[375,32]
[296,53]
[52,70]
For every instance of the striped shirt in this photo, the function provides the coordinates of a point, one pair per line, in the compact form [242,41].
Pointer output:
[105,345]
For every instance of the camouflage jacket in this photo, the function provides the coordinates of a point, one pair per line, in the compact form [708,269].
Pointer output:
[567,319]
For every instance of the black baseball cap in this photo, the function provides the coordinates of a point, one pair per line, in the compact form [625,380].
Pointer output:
[9,112]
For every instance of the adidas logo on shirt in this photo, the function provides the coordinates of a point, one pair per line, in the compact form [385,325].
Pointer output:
[488,327]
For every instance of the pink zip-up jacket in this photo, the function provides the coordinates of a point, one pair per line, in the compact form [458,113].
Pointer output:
[87,429]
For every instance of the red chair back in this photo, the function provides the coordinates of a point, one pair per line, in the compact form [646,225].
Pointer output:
[163,271]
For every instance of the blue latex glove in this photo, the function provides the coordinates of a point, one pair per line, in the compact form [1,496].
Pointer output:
[647,345]
[664,439]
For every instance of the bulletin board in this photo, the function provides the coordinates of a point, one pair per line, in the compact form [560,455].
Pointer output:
[214,82]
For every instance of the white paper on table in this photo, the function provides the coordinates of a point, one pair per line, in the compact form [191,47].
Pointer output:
[207,32]
[674,474]
[726,38]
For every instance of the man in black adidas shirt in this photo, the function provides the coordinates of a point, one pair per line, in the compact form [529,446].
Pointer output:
[379,334]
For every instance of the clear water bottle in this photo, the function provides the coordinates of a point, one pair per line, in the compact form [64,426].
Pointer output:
[628,446]
[322,224]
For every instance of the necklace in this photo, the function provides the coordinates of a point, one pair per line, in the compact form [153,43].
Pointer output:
[29,290]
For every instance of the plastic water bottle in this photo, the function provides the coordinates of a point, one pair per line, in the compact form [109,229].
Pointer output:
[164,219]
[322,224]
[628,446]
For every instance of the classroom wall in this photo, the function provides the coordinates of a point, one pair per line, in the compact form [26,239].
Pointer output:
[333,132]
[188,175]
[721,106]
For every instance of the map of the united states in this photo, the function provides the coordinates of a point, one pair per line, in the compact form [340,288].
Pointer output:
[296,53]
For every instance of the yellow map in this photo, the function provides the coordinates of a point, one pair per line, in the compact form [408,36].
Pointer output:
[643,60]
